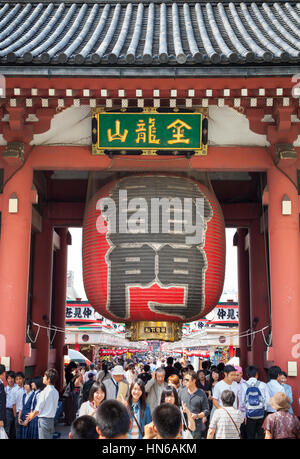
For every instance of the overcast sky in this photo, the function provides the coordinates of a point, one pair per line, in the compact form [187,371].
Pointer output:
[75,261]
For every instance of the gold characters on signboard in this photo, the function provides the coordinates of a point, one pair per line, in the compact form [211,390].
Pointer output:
[148,135]
[117,135]
[178,132]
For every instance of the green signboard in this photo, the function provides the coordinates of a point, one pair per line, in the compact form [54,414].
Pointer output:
[149,132]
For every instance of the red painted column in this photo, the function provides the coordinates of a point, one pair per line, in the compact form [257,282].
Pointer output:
[243,294]
[42,293]
[14,266]
[284,247]
[259,307]
[60,301]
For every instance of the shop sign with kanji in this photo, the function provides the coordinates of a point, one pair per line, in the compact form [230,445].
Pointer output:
[149,132]
[80,314]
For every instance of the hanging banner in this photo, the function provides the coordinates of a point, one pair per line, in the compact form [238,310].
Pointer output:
[149,131]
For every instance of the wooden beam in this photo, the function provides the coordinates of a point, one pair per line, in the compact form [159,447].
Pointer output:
[230,159]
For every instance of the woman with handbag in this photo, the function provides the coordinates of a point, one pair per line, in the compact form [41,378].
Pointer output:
[140,412]
[226,420]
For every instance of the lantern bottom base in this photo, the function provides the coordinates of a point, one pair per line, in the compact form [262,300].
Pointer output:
[149,330]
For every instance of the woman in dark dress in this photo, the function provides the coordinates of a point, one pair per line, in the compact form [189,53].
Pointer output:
[37,387]
[26,408]
[202,382]
[69,396]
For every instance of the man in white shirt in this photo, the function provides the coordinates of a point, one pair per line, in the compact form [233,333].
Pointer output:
[10,388]
[46,406]
[17,400]
[228,383]
[253,427]
[274,385]
[91,370]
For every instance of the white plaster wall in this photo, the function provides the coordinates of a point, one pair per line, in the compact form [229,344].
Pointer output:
[227,127]
[70,127]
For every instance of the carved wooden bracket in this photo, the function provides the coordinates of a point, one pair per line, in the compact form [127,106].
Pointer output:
[281,130]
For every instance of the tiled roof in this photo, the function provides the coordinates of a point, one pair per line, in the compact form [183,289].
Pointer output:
[149,34]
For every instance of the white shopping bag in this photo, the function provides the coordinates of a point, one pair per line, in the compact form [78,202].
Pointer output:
[3,435]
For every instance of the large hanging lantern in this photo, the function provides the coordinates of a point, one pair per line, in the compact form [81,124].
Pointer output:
[153,253]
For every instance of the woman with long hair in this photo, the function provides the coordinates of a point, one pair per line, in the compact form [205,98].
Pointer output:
[139,410]
[170,395]
[96,396]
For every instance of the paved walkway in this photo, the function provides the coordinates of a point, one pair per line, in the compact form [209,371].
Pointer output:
[63,430]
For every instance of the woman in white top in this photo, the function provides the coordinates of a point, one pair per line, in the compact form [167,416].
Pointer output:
[131,373]
[96,396]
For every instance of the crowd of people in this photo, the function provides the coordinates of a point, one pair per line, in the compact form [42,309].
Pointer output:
[150,399]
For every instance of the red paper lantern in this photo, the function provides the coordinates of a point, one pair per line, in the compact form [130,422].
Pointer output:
[150,274]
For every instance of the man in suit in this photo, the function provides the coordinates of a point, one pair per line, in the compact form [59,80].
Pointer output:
[116,386]
[2,396]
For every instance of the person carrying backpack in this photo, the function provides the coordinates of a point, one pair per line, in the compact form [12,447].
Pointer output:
[87,387]
[255,398]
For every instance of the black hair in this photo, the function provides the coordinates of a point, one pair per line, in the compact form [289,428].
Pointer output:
[274,372]
[221,366]
[142,398]
[167,420]
[84,427]
[146,368]
[214,370]
[38,381]
[206,364]
[251,371]
[283,373]
[229,369]
[20,373]
[190,367]
[170,361]
[2,368]
[228,397]
[177,366]
[51,374]
[169,390]
[11,373]
[28,381]
[94,388]
[112,419]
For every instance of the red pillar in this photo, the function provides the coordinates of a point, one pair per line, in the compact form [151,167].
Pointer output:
[60,301]
[285,272]
[14,267]
[42,293]
[259,306]
[243,294]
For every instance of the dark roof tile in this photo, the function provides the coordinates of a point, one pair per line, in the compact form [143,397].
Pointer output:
[151,34]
